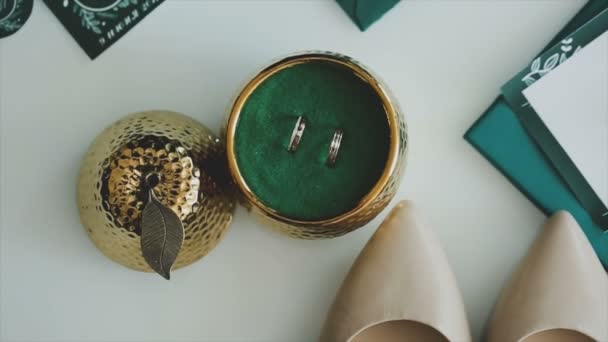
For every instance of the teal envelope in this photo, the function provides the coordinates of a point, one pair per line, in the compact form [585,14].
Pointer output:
[366,12]
[512,93]
[499,136]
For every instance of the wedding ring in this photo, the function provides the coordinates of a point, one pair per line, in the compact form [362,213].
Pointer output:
[334,147]
[296,135]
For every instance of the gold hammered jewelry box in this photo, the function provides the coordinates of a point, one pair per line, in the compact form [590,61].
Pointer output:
[314,145]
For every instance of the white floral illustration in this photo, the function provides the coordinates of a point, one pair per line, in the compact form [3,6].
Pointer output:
[13,20]
[93,20]
[538,69]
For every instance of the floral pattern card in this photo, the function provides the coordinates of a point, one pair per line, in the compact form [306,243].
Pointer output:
[13,14]
[513,92]
[97,24]
[572,102]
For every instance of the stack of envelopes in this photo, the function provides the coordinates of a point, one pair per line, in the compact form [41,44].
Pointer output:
[548,131]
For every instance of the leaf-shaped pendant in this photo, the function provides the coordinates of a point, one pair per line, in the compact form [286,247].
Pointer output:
[162,235]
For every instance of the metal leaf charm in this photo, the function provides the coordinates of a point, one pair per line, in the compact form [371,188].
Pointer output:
[162,236]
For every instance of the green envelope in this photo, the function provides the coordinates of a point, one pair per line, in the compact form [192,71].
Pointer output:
[543,65]
[499,136]
[366,12]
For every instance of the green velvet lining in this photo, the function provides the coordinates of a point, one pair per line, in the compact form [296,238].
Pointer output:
[300,185]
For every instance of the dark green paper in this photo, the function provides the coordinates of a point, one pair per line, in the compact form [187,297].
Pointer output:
[13,15]
[500,138]
[97,24]
[366,12]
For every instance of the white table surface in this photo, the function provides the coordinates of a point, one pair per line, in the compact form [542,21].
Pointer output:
[444,60]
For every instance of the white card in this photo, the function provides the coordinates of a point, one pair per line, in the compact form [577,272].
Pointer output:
[572,101]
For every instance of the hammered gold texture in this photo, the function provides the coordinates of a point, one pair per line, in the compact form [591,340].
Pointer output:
[190,162]
[333,227]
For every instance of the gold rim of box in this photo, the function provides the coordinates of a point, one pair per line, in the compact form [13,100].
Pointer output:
[361,72]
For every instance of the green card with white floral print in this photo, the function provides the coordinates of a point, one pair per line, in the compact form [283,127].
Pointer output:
[97,24]
[535,127]
[13,15]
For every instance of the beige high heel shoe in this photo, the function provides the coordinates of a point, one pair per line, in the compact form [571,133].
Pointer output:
[559,293]
[400,288]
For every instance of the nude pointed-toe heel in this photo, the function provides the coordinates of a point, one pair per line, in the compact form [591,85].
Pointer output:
[558,294]
[400,288]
